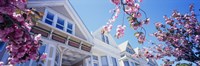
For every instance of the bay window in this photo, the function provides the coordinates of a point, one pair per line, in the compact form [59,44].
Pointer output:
[49,18]
[60,23]
[57,20]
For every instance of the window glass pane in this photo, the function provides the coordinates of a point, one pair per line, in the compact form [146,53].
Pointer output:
[114,61]
[59,27]
[104,61]
[50,16]
[60,21]
[107,40]
[129,50]
[95,57]
[69,25]
[69,31]
[57,58]
[102,37]
[95,64]
[126,63]
[69,28]
[132,64]
[42,49]
[48,22]
[2,45]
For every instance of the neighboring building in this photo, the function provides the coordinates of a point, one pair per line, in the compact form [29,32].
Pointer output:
[126,54]
[105,51]
[127,58]
[144,61]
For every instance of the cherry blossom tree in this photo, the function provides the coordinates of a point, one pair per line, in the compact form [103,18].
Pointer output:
[15,25]
[180,36]
[133,10]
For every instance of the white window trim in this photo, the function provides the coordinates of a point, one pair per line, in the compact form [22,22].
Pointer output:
[56,15]
[60,24]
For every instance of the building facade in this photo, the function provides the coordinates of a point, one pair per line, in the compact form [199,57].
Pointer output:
[127,58]
[105,51]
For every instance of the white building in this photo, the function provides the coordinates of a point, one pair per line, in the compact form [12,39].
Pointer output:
[127,52]
[67,41]
[127,58]
[105,51]
[144,61]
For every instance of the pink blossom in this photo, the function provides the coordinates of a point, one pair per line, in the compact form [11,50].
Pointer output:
[1,63]
[139,0]
[43,56]
[158,24]
[116,2]
[37,38]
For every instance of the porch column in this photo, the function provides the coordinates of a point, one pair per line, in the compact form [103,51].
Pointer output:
[80,45]
[50,35]
[68,37]
[61,56]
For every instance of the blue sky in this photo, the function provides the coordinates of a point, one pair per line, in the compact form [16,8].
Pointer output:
[95,14]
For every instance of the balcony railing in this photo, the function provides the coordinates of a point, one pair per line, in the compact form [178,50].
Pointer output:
[65,38]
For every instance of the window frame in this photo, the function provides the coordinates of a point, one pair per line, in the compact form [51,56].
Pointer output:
[69,28]
[57,63]
[127,62]
[56,16]
[107,64]
[63,26]
[105,39]
[114,61]
[45,18]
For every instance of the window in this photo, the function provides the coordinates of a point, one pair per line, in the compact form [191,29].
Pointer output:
[114,61]
[104,60]
[60,23]
[107,41]
[129,50]
[123,55]
[57,58]
[136,64]
[49,18]
[132,64]
[69,28]
[95,64]
[95,57]
[105,38]
[126,63]
[2,45]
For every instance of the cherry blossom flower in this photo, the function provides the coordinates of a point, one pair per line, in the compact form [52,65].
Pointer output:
[43,56]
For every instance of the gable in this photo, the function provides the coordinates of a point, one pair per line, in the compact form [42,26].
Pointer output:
[64,8]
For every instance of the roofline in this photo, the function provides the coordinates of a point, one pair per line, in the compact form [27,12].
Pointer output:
[79,17]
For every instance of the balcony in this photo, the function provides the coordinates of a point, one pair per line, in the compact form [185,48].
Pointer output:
[60,36]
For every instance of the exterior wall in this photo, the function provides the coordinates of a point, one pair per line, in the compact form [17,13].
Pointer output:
[104,49]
